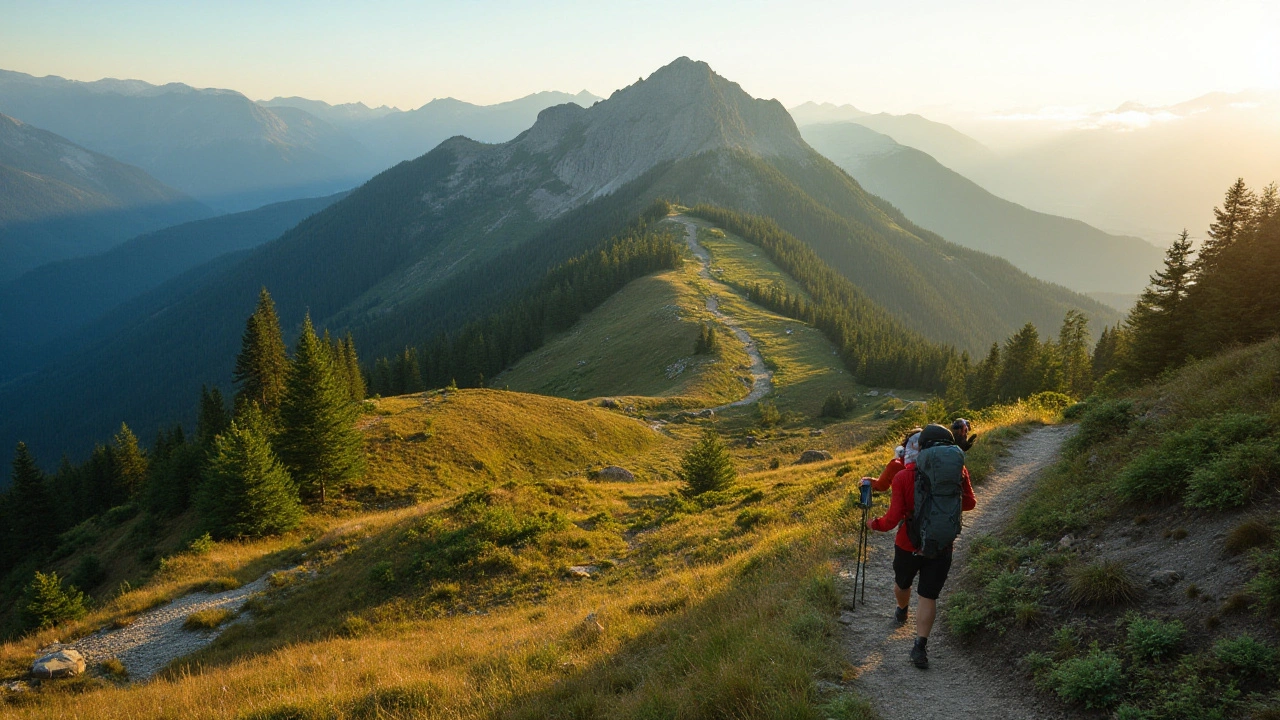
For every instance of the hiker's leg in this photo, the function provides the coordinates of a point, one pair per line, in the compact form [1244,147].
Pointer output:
[902,595]
[926,610]
[905,567]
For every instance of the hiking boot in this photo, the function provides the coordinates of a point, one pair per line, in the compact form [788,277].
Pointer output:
[919,656]
[900,615]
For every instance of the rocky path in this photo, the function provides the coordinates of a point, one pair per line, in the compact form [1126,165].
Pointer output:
[761,376]
[954,686]
[156,638]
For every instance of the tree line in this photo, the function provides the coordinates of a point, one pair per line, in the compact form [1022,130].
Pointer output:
[473,354]
[288,438]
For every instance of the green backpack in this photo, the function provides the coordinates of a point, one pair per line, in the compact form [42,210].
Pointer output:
[935,524]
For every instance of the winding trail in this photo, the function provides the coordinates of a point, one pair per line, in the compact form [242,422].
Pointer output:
[761,376]
[955,685]
[156,637]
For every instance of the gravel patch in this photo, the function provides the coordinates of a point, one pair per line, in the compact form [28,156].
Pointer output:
[957,684]
[157,638]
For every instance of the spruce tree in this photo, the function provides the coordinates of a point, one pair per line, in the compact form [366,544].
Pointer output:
[213,417]
[1073,347]
[707,466]
[129,464]
[318,441]
[46,602]
[355,378]
[1108,353]
[986,379]
[33,524]
[246,492]
[262,367]
[1021,370]
[1158,322]
[1229,223]
[956,396]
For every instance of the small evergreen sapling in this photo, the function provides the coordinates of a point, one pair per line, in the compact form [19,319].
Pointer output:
[707,466]
[246,492]
[47,603]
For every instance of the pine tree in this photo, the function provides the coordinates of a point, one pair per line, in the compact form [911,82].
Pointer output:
[1229,223]
[382,379]
[1073,346]
[32,521]
[1108,353]
[129,464]
[246,492]
[1021,370]
[956,396]
[46,602]
[318,441]
[262,367]
[707,466]
[213,417]
[986,379]
[355,378]
[1158,322]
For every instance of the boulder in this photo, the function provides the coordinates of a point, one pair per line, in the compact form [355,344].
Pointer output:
[813,456]
[613,473]
[609,403]
[582,571]
[752,441]
[1067,541]
[1165,578]
[816,432]
[61,664]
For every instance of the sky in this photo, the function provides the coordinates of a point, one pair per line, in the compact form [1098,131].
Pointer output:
[942,57]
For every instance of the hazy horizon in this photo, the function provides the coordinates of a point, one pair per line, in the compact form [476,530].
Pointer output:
[994,57]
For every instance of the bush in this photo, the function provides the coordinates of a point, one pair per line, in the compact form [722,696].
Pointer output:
[47,602]
[207,619]
[1265,586]
[115,668]
[382,573]
[1101,421]
[1245,656]
[707,466]
[1235,476]
[1094,680]
[89,573]
[835,406]
[1101,583]
[202,545]
[1251,533]
[1076,411]
[1154,639]
[965,614]
[1050,401]
[753,517]
[768,414]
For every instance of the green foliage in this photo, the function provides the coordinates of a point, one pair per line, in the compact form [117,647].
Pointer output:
[1102,421]
[246,492]
[213,416]
[262,366]
[1245,656]
[25,512]
[1150,638]
[1094,681]
[1265,585]
[708,341]
[707,466]
[767,414]
[837,405]
[46,602]
[207,619]
[318,442]
[1205,455]
[1105,582]
[89,572]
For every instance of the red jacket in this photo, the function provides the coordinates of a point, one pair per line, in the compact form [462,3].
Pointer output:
[886,478]
[903,503]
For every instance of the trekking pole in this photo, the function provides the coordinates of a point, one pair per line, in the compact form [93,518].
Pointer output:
[860,561]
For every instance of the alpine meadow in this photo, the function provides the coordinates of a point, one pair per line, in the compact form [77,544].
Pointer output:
[387,396]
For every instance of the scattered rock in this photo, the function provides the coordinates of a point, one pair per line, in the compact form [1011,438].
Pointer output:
[816,432]
[609,403]
[613,473]
[61,664]
[813,456]
[583,571]
[1067,541]
[1165,578]
[873,393]
[846,618]
[16,686]
[752,441]
[706,413]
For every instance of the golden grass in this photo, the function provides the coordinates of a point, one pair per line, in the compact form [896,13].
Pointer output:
[207,619]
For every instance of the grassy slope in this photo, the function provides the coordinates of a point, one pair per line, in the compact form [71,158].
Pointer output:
[1228,561]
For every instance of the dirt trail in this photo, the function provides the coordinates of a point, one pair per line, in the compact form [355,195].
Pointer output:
[156,637]
[954,686]
[761,376]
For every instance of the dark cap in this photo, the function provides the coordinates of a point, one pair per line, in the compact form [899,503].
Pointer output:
[934,435]
[958,424]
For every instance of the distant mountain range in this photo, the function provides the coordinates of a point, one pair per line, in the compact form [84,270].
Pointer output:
[44,311]
[59,200]
[444,238]
[948,145]
[1057,249]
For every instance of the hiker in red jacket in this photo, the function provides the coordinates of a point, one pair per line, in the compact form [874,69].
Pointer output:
[885,481]
[907,563]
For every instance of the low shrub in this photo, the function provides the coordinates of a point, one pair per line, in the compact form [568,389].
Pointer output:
[1101,583]
[382,573]
[965,614]
[1264,587]
[754,517]
[1150,638]
[219,584]
[89,573]
[201,545]
[1234,477]
[1100,422]
[47,602]
[113,667]
[1094,681]
[207,619]
[1245,656]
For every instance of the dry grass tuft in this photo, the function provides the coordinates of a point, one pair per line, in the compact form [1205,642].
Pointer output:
[113,667]
[1251,533]
[207,619]
[1101,583]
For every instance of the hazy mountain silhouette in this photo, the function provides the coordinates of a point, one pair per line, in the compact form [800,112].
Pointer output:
[50,303]
[948,145]
[440,240]
[59,200]
[216,145]
[1057,249]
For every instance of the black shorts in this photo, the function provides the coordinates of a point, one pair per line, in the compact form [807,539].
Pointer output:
[933,572]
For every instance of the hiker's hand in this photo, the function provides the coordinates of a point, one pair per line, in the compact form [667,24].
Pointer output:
[870,522]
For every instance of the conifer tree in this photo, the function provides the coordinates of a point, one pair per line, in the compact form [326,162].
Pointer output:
[1107,354]
[956,396]
[1229,223]
[381,379]
[318,442]
[1073,347]
[31,516]
[46,602]
[1158,322]
[262,367]
[1021,370]
[707,466]
[129,464]
[355,378]
[213,417]
[246,492]
[986,379]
